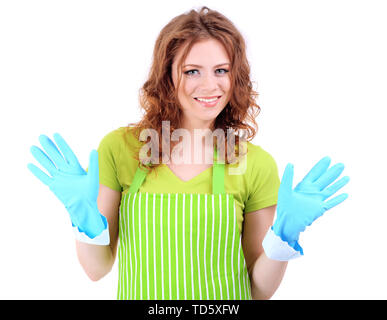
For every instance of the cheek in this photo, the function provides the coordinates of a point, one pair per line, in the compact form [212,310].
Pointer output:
[226,84]
[184,94]
[188,89]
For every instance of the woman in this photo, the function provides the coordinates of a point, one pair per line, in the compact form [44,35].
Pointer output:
[189,229]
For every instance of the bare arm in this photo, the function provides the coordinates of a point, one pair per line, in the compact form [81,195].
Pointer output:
[265,274]
[97,260]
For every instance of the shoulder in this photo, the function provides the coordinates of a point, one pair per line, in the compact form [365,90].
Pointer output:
[259,158]
[119,138]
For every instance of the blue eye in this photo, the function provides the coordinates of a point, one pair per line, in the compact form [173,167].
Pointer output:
[188,72]
[225,70]
[191,72]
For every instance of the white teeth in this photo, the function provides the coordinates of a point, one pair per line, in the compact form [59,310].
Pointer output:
[207,100]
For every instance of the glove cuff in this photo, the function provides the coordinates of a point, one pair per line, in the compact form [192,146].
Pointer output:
[103,239]
[89,223]
[277,249]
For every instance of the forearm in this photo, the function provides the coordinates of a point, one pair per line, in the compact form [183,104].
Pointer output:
[96,260]
[266,275]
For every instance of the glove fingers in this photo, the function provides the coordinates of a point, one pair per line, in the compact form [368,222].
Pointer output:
[52,151]
[318,169]
[39,174]
[329,176]
[331,190]
[66,150]
[335,201]
[45,161]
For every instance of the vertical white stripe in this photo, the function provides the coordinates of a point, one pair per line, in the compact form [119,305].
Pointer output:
[198,255]
[176,246]
[190,226]
[126,240]
[232,250]
[243,267]
[121,264]
[219,242]
[134,248]
[183,241]
[226,248]
[125,248]
[239,269]
[205,243]
[169,245]
[212,244]
[140,246]
[154,246]
[162,245]
[147,255]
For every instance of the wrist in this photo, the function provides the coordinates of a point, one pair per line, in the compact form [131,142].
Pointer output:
[282,227]
[102,239]
[277,249]
[86,217]
[293,243]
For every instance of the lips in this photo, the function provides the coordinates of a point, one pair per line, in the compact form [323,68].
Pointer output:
[208,103]
[208,97]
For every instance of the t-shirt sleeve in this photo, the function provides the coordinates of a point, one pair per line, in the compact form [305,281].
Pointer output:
[108,158]
[263,181]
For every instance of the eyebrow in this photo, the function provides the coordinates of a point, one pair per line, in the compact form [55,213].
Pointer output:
[197,66]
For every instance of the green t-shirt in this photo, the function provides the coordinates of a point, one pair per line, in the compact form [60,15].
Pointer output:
[255,189]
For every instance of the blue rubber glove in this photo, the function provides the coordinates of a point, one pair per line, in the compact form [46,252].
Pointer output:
[73,186]
[298,208]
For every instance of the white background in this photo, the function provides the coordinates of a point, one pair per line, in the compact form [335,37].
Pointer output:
[75,67]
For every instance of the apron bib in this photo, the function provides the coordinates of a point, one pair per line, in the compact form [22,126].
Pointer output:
[180,245]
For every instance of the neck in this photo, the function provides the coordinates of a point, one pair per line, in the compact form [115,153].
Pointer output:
[199,142]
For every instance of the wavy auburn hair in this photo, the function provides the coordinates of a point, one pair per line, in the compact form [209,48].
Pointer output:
[158,95]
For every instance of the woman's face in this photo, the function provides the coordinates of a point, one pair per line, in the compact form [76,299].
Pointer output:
[205,76]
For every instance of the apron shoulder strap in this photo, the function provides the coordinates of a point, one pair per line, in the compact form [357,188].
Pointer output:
[138,179]
[217,175]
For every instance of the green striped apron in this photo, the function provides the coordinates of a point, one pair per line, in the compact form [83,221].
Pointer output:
[180,245]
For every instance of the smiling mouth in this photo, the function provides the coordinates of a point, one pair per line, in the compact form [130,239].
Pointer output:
[208,102]
[207,99]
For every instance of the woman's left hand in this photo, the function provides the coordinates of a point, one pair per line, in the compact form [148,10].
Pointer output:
[298,208]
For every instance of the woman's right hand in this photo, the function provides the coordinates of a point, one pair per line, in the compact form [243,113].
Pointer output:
[72,185]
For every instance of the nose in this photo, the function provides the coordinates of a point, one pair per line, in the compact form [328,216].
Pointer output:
[209,82]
